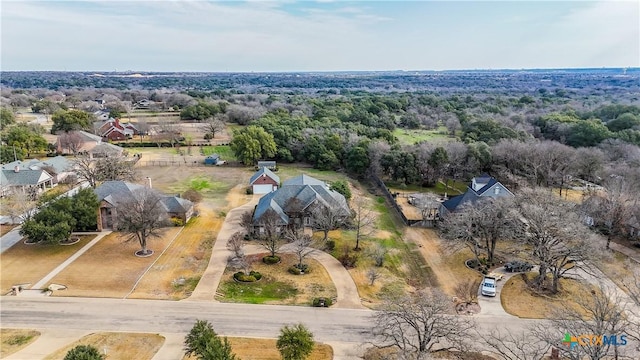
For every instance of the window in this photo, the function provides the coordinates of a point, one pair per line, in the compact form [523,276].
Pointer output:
[496,190]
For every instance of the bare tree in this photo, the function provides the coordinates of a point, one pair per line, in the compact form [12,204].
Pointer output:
[378,253]
[453,124]
[416,323]
[214,125]
[236,244]
[327,218]
[373,274]
[86,169]
[514,346]
[114,168]
[602,312]
[141,216]
[479,226]
[71,141]
[301,245]
[270,237]
[560,242]
[20,206]
[363,220]
[246,221]
[612,207]
[467,291]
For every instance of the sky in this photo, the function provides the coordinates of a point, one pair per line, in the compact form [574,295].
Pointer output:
[323,35]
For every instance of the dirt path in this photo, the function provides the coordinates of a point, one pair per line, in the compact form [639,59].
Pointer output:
[448,269]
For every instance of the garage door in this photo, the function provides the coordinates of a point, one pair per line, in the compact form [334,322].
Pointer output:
[262,189]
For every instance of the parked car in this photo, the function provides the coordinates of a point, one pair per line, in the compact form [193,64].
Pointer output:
[517,266]
[488,286]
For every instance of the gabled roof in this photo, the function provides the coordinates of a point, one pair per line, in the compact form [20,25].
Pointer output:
[59,163]
[492,181]
[90,137]
[106,148]
[267,202]
[469,196]
[266,163]
[112,191]
[25,177]
[266,172]
[174,204]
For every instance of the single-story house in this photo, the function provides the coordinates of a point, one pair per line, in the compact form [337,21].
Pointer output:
[93,145]
[264,181]
[483,186]
[271,165]
[295,202]
[24,179]
[111,193]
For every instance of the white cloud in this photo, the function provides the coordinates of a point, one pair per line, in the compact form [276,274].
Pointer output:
[280,36]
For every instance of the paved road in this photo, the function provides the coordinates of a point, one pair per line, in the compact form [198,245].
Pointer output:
[349,327]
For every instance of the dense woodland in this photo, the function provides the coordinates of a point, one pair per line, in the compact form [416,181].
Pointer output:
[536,127]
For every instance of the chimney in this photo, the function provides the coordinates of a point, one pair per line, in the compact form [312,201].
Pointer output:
[16,168]
[149,182]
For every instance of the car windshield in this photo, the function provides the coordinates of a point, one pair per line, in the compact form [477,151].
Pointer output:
[488,284]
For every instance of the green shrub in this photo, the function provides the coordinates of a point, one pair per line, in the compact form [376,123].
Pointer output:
[249,190]
[271,260]
[177,221]
[256,275]
[330,245]
[242,277]
[294,270]
[322,302]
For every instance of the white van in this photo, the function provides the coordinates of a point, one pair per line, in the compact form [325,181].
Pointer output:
[488,286]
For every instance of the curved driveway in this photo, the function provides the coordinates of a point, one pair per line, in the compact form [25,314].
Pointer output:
[346,289]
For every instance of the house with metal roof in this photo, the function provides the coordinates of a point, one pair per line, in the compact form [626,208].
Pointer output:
[112,193]
[483,186]
[264,181]
[295,202]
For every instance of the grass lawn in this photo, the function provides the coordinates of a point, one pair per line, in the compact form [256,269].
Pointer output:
[403,267]
[414,136]
[287,171]
[119,346]
[265,349]
[22,264]
[454,188]
[617,267]
[177,272]
[517,299]
[571,195]
[224,151]
[110,268]
[277,285]
[14,340]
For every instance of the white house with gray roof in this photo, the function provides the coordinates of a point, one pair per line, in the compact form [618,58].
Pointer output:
[295,202]
[21,176]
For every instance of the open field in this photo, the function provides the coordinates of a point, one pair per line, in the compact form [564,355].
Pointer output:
[119,346]
[265,349]
[517,299]
[277,285]
[110,268]
[287,171]
[14,340]
[574,196]
[414,136]
[22,264]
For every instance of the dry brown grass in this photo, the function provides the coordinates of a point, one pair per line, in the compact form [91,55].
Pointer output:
[574,196]
[14,340]
[517,299]
[29,263]
[265,349]
[316,283]
[186,258]
[410,211]
[617,268]
[449,269]
[120,346]
[6,228]
[110,268]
